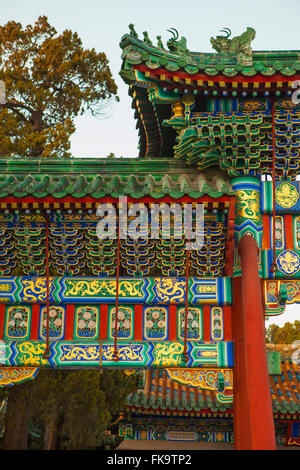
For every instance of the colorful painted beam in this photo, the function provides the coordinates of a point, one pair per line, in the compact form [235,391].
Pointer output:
[219,381]
[293,434]
[16,375]
[131,354]
[135,322]
[248,218]
[153,434]
[206,379]
[162,290]
[287,197]
[287,261]
[280,293]
[287,232]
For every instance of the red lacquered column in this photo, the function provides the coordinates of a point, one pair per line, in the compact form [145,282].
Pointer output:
[138,322]
[2,320]
[254,426]
[241,427]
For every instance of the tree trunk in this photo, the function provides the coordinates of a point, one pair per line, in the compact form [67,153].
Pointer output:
[17,419]
[59,442]
[50,435]
[37,120]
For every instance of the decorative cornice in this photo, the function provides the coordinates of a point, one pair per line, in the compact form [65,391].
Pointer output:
[264,63]
[101,177]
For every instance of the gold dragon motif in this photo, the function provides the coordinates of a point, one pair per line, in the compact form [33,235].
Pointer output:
[31,354]
[167,354]
[169,290]
[35,290]
[103,288]
[70,353]
[248,206]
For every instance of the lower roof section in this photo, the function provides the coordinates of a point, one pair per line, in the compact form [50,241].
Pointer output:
[161,394]
[79,177]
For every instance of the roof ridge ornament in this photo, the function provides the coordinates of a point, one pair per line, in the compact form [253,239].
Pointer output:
[175,45]
[160,43]
[239,45]
[178,46]
[147,40]
[132,30]
[226,31]
[175,35]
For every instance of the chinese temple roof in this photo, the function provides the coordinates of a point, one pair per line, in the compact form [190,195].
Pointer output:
[107,177]
[226,64]
[69,190]
[214,110]
[162,394]
[285,388]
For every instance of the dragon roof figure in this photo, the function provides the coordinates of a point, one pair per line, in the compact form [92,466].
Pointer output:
[240,45]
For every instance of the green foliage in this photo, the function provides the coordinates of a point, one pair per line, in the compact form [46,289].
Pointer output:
[20,401]
[116,385]
[286,334]
[271,332]
[86,414]
[50,79]
[73,407]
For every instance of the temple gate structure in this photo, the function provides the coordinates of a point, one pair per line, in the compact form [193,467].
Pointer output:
[220,130]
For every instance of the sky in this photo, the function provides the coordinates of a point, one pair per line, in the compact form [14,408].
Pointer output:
[292,313]
[101,24]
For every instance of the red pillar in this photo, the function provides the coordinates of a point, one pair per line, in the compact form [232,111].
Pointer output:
[253,415]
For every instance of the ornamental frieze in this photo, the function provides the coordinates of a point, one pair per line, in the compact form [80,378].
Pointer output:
[132,354]
[146,290]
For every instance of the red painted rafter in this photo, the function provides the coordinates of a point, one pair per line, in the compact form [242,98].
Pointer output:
[87,199]
[277,77]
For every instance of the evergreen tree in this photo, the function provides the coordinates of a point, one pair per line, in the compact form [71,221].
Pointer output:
[271,332]
[49,79]
[18,414]
[286,334]
[73,407]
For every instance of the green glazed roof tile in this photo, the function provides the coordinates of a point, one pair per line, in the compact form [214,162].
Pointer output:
[284,391]
[156,178]
[135,51]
